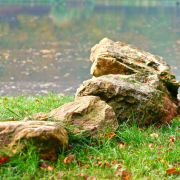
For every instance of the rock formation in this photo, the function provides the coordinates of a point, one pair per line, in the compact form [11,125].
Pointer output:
[87,115]
[45,136]
[138,85]
[110,57]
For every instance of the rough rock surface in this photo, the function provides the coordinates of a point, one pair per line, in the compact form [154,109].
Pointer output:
[133,96]
[88,115]
[45,136]
[110,57]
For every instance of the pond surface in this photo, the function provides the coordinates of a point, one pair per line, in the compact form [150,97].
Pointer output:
[47,47]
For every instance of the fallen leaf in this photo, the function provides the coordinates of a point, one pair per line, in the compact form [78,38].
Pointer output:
[80,163]
[122,145]
[106,135]
[5,98]
[91,178]
[149,145]
[163,161]
[114,162]
[45,165]
[126,175]
[112,134]
[82,175]
[154,135]
[4,159]
[50,168]
[156,68]
[172,171]
[139,60]
[11,118]
[60,175]
[69,159]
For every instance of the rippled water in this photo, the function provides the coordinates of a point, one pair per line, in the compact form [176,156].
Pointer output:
[47,47]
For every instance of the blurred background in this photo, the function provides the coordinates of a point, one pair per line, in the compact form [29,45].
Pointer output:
[45,44]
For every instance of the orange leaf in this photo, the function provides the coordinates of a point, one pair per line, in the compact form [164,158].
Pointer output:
[172,171]
[112,134]
[106,135]
[149,145]
[126,175]
[4,159]
[69,159]
[139,60]
[114,162]
[163,161]
[11,118]
[50,168]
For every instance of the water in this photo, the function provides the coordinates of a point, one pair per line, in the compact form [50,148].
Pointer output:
[46,47]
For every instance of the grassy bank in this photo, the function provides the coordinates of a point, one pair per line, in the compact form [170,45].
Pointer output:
[137,153]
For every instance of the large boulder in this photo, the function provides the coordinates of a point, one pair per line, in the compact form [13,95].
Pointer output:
[133,97]
[110,57]
[46,137]
[87,115]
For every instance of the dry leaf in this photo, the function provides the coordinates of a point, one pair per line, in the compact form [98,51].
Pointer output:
[106,135]
[172,171]
[82,175]
[163,161]
[149,145]
[45,165]
[154,135]
[91,178]
[69,159]
[50,168]
[60,175]
[112,134]
[4,159]
[11,118]
[122,145]
[114,162]
[126,175]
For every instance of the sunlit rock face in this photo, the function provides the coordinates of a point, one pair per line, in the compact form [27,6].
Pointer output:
[88,115]
[139,86]
[132,98]
[110,57]
[44,137]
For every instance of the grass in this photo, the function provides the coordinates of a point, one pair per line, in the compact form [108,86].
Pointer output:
[142,153]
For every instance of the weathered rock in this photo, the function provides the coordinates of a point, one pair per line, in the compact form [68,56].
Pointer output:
[45,136]
[133,97]
[110,57]
[88,115]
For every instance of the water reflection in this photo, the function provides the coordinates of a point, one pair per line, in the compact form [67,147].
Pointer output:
[47,48]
